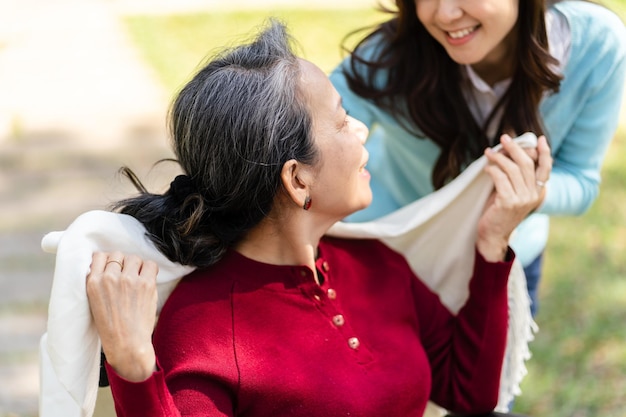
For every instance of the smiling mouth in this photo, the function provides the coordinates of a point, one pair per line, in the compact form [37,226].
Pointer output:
[458,34]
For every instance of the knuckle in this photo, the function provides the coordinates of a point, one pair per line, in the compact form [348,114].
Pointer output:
[148,285]
[153,266]
[126,277]
[133,259]
[527,162]
[109,275]
[92,284]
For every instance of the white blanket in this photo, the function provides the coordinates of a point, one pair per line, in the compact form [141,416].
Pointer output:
[436,234]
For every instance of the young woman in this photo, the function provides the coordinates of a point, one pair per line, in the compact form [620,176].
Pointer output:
[278,320]
[443,79]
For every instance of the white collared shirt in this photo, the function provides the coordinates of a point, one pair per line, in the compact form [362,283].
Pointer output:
[482,98]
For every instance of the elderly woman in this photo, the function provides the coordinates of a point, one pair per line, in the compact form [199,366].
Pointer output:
[277,319]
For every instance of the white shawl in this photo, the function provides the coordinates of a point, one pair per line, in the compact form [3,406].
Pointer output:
[436,234]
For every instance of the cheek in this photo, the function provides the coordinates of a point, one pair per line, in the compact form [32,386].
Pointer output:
[340,166]
[513,17]
[421,11]
[503,17]
[424,12]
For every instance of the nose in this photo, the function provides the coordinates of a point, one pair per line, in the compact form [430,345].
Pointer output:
[360,129]
[448,11]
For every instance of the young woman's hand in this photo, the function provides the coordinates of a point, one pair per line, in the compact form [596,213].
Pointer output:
[519,183]
[123,300]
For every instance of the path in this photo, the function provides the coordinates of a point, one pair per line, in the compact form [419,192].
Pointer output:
[76,103]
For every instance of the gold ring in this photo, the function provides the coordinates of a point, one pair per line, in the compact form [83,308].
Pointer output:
[117,262]
[540,183]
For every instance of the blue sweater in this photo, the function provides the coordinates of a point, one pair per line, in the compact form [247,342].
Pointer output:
[580,122]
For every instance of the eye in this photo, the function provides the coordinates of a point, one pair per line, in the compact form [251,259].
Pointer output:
[346,120]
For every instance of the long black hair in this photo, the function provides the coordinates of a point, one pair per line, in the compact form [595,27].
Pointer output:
[423,85]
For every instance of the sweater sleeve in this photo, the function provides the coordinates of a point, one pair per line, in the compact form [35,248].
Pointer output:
[582,118]
[466,351]
[195,372]
[196,397]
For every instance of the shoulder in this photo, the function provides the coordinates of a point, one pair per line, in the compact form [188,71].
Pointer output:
[368,253]
[580,10]
[593,26]
[373,47]
[205,284]
[196,321]
[204,292]
[369,50]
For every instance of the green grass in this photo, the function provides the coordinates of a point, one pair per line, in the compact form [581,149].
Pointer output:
[176,45]
[579,356]
[618,6]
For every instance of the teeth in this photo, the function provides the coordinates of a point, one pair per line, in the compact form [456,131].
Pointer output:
[461,33]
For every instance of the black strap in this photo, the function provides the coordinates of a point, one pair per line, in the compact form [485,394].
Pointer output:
[104,378]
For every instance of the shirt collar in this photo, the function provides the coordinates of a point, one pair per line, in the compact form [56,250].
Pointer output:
[481,86]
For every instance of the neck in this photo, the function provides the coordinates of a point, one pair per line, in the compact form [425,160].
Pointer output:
[500,63]
[286,239]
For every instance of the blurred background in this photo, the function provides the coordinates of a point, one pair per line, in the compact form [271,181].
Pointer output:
[84,89]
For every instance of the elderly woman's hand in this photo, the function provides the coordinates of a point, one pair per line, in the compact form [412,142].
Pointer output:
[123,300]
[519,189]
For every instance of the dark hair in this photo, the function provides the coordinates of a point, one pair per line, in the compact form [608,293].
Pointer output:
[233,127]
[417,88]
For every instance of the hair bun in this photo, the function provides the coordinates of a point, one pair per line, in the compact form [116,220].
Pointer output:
[182,187]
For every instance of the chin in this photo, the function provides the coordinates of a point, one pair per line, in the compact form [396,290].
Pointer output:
[463,60]
[360,207]
[366,203]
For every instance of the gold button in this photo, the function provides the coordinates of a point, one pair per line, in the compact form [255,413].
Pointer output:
[332,294]
[325,266]
[338,320]
[353,342]
[303,272]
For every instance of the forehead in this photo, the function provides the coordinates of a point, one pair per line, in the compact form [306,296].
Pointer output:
[316,86]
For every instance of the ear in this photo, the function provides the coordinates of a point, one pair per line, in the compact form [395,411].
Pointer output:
[296,177]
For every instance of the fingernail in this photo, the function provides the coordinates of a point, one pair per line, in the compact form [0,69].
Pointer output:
[505,138]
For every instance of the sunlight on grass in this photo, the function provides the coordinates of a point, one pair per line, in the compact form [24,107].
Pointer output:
[579,357]
[176,45]
[578,367]
[618,6]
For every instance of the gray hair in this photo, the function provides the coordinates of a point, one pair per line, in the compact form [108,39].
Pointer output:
[233,126]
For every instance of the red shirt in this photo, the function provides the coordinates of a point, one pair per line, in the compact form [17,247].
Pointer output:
[244,338]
